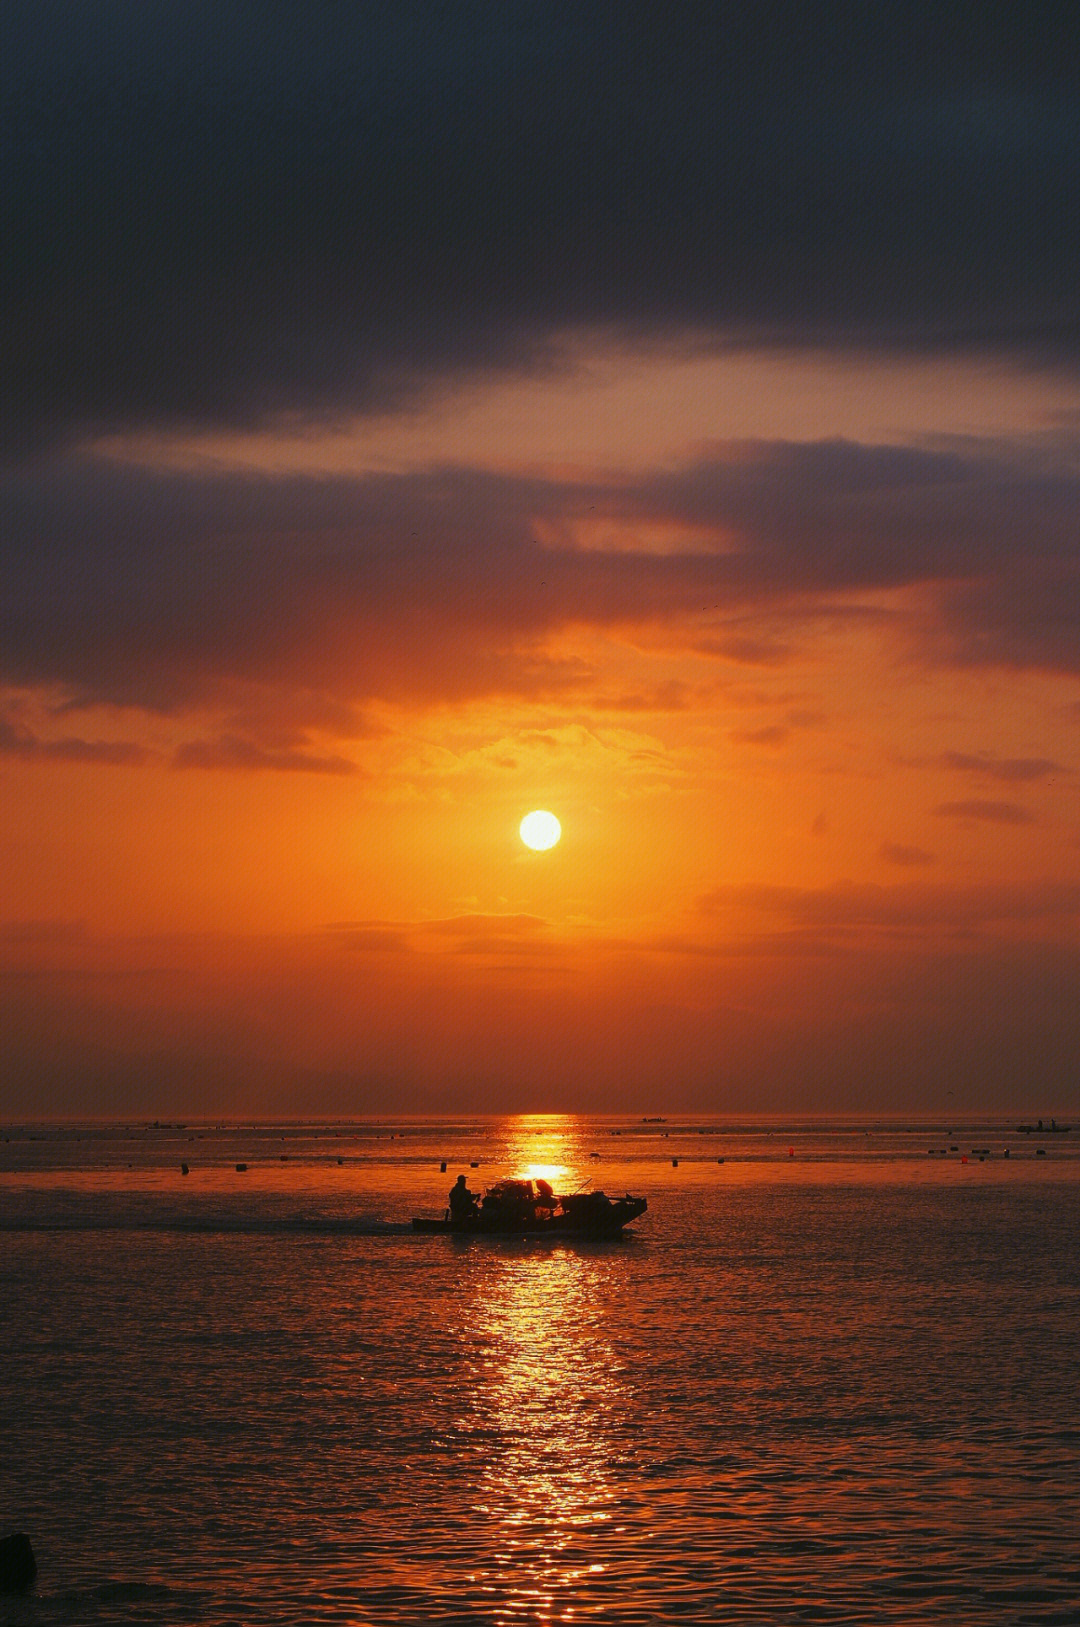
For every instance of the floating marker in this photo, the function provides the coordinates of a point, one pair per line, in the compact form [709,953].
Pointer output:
[674,1163]
[791,1152]
[964,1159]
[241,1169]
[719,1160]
[183,1169]
[442,1166]
[475,1164]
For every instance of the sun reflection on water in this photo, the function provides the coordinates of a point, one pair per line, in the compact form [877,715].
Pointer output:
[551,1404]
[554,1392]
[538,1146]
[542,1172]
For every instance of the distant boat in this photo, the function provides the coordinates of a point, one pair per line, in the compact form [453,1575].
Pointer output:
[1041,1129]
[518,1209]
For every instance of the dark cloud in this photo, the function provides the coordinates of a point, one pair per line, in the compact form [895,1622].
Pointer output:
[906,905]
[665,697]
[231,752]
[770,734]
[992,813]
[906,857]
[218,214]
[163,591]
[1019,615]
[746,649]
[1012,770]
[21,742]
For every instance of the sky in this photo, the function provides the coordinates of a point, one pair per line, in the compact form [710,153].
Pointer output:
[413,415]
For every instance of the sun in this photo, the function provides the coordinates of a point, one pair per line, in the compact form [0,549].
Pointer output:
[540,830]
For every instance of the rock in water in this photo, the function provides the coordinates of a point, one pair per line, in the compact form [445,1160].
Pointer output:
[18,1567]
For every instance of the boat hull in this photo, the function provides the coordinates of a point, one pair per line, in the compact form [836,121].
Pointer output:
[586,1221]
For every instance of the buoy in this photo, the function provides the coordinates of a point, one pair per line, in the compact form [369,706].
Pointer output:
[719,1160]
[791,1152]
[442,1166]
[241,1168]
[475,1164]
[964,1159]
[341,1160]
[183,1169]
[674,1163]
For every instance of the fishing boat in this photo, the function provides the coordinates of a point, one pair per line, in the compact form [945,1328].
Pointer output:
[516,1208]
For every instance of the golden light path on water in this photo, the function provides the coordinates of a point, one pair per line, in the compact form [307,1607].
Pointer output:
[538,1145]
[548,1485]
[542,1172]
[556,1388]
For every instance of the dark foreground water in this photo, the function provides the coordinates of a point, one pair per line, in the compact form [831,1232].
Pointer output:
[831,1384]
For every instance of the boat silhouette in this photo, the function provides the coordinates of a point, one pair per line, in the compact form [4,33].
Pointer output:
[516,1208]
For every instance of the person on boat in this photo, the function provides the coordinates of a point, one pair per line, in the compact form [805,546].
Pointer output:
[545,1197]
[462,1201]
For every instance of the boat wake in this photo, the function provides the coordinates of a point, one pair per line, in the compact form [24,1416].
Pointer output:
[212,1225]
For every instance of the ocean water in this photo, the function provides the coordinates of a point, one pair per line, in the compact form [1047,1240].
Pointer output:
[830,1379]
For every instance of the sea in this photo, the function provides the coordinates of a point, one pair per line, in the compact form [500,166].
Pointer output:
[831,1376]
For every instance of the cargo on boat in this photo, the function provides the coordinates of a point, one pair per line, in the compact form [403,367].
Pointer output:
[516,1208]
